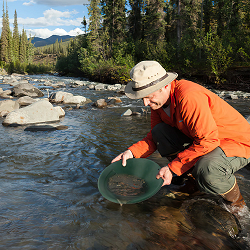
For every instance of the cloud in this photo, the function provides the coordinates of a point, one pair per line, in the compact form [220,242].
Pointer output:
[29,3]
[57,2]
[45,33]
[51,18]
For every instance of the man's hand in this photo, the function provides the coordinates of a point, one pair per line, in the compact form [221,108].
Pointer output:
[166,174]
[123,156]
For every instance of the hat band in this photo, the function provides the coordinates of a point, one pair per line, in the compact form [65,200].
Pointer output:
[151,83]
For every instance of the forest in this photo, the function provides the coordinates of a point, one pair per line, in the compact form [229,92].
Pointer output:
[204,39]
[195,38]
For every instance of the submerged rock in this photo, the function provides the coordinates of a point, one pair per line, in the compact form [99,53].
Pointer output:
[46,127]
[210,217]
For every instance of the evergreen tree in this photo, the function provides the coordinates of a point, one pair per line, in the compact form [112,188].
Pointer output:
[135,19]
[29,50]
[114,23]
[154,22]
[84,24]
[15,39]
[4,38]
[9,56]
[94,12]
[23,47]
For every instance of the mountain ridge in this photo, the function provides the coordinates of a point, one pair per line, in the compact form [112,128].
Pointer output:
[39,42]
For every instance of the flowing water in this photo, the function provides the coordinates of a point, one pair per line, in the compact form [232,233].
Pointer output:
[49,197]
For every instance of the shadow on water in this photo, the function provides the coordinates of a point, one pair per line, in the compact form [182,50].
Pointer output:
[50,198]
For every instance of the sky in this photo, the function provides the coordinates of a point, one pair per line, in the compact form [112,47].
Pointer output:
[44,18]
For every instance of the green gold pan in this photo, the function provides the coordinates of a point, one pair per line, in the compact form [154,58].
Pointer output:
[142,169]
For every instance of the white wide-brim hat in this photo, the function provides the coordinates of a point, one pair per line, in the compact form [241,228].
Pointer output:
[147,77]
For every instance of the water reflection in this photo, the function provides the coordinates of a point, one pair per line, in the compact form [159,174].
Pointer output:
[49,194]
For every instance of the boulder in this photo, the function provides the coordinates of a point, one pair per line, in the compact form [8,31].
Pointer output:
[74,99]
[91,86]
[8,106]
[101,103]
[100,86]
[78,83]
[59,96]
[28,89]
[6,94]
[38,112]
[25,100]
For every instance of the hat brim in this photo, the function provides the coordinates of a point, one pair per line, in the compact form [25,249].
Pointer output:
[130,93]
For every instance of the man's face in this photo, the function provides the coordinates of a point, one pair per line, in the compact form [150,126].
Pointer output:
[157,99]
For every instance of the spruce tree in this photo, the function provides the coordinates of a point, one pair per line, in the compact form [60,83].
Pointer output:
[15,39]
[23,47]
[4,38]
[114,22]
[154,22]
[135,19]
[29,50]
[9,57]
[84,24]
[94,28]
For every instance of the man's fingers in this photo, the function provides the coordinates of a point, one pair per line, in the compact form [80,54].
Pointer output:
[117,158]
[124,161]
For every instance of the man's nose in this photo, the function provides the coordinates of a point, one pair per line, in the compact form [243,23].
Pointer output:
[146,102]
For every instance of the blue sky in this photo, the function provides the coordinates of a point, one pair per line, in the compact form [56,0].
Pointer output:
[44,18]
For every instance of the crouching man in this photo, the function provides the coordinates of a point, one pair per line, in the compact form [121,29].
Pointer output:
[201,133]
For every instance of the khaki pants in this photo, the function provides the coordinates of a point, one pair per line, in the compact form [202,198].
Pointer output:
[214,172]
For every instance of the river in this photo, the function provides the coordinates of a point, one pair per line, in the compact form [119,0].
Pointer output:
[49,193]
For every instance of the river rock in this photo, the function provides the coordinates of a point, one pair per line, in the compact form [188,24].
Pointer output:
[59,97]
[113,100]
[112,87]
[59,84]
[100,86]
[45,127]
[91,86]
[128,112]
[28,89]
[6,94]
[38,112]
[8,106]
[101,103]
[210,217]
[77,83]
[74,100]
[25,100]
[121,90]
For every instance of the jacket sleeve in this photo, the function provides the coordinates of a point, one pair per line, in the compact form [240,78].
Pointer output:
[197,117]
[146,146]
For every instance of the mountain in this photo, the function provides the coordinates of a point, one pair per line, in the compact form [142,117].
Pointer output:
[39,42]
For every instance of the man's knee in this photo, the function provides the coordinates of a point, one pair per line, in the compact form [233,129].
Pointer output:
[213,176]
[204,175]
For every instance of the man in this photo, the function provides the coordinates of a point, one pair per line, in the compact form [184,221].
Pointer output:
[200,132]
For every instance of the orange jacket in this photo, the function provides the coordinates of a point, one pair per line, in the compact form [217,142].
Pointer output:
[203,116]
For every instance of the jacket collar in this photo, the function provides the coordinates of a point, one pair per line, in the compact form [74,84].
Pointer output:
[173,100]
